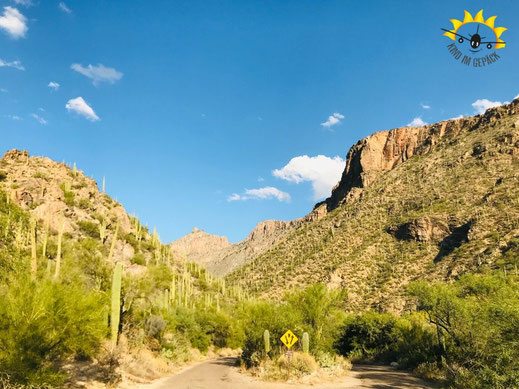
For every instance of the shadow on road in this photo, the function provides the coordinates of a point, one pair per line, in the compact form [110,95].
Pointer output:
[384,377]
[227,361]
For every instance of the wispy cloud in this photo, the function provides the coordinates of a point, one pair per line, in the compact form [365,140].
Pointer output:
[79,106]
[62,6]
[25,3]
[99,73]
[323,172]
[266,193]
[333,120]
[417,122]
[13,23]
[14,117]
[39,119]
[13,64]
[53,85]
[425,106]
[481,105]
[3,90]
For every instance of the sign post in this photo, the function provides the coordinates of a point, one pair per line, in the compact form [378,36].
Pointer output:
[289,339]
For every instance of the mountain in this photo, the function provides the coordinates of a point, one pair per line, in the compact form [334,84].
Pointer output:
[220,257]
[429,202]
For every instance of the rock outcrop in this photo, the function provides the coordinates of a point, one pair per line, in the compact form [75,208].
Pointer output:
[384,150]
[198,245]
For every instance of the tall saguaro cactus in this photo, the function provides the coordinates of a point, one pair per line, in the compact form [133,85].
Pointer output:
[34,259]
[115,316]
[58,253]
[266,340]
[114,240]
[306,343]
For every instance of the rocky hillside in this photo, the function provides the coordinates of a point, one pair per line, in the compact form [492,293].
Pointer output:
[430,202]
[59,196]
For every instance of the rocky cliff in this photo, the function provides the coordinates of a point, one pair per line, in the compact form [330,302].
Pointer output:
[384,151]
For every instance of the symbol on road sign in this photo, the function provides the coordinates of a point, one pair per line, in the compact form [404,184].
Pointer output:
[289,339]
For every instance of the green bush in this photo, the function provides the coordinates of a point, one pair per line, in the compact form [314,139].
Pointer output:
[476,321]
[138,259]
[44,323]
[376,337]
[89,228]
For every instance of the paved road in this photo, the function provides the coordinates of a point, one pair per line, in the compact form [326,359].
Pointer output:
[222,374]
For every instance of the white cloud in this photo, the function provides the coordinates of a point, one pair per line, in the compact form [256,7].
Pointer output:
[14,64]
[323,172]
[13,22]
[333,120]
[516,97]
[481,105]
[62,6]
[25,3]
[425,106]
[234,197]
[457,117]
[39,119]
[261,179]
[417,122]
[99,73]
[266,193]
[14,117]
[79,106]
[54,85]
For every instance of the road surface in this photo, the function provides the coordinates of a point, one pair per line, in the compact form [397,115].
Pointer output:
[222,374]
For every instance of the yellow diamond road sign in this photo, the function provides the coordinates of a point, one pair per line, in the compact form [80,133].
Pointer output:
[289,339]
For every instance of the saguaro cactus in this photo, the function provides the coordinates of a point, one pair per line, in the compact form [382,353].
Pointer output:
[114,239]
[58,253]
[115,316]
[102,231]
[34,259]
[306,343]
[172,290]
[266,340]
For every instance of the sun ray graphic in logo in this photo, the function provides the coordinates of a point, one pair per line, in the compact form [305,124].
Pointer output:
[476,39]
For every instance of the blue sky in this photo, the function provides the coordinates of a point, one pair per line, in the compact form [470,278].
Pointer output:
[201,113]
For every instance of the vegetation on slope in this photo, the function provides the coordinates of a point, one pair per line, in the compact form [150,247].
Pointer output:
[461,197]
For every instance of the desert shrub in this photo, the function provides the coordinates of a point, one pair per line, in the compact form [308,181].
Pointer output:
[175,347]
[131,240]
[84,204]
[257,316]
[155,326]
[368,337]
[300,363]
[3,176]
[375,337]
[68,198]
[42,323]
[89,228]
[138,259]
[322,313]
[476,324]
